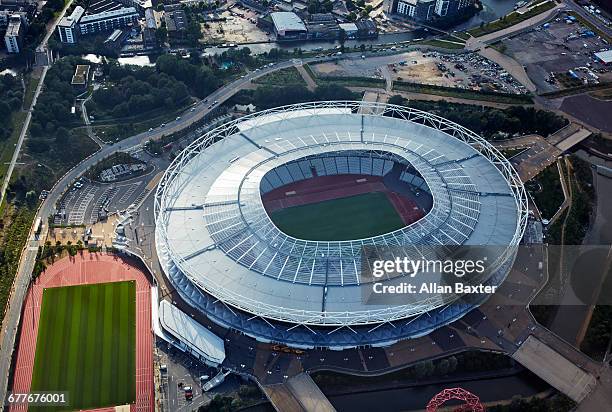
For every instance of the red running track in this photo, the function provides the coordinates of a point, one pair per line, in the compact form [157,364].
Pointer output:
[89,268]
[322,188]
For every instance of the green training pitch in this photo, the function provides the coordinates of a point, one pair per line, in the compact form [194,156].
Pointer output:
[86,345]
[352,217]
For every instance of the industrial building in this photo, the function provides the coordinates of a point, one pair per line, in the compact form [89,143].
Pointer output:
[604,57]
[319,26]
[288,26]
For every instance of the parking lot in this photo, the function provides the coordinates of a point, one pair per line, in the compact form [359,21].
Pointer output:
[86,201]
[181,371]
[82,206]
[559,54]
[462,70]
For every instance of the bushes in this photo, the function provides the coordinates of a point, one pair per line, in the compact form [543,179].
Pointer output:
[267,97]
[137,90]
[11,96]
[471,361]
[598,334]
[15,235]
[488,122]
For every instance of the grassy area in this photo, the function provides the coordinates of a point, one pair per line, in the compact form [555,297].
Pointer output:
[603,94]
[7,147]
[111,130]
[599,332]
[86,345]
[453,44]
[462,35]
[546,191]
[30,90]
[499,46]
[14,228]
[284,77]
[347,81]
[462,93]
[347,218]
[583,201]
[577,90]
[510,20]
[350,81]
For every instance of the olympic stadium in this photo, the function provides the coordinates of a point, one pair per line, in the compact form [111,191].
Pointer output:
[251,218]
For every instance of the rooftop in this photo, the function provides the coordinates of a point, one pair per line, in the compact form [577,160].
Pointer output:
[75,16]
[80,75]
[348,27]
[605,56]
[287,21]
[13,28]
[124,11]
[199,339]
[210,214]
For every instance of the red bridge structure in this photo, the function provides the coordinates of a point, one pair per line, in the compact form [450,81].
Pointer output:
[472,402]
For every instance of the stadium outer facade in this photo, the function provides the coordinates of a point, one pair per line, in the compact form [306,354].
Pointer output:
[226,258]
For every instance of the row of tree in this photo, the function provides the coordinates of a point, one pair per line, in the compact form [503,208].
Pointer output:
[11,96]
[269,96]
[488,121]
[53,111]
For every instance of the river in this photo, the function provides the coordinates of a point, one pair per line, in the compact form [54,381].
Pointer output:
[415,398]
[492,9]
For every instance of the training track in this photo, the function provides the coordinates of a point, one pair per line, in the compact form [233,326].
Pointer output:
[89,268]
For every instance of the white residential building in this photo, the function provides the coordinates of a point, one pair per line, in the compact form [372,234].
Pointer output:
[67,27]
[13,35]
[108,20]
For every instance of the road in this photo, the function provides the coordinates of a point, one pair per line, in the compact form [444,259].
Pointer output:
[22,135]
[41,51]
[28,257]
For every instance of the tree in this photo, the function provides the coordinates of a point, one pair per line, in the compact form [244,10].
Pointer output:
[161,35]
[5,111]
[396,99]
[424,369]
[31,199]
[342,39]
[443,367]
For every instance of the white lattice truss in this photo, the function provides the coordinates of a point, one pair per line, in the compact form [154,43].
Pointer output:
[165,195]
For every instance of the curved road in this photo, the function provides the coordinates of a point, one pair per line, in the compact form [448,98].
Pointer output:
[28,257]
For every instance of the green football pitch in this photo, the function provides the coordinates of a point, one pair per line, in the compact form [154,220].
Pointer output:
[352,217]
[86,345]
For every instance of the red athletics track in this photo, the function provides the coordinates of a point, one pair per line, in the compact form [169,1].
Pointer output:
[322,188]
[82,269]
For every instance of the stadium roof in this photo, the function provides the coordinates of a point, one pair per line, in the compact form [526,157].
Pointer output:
[287,21]
[109,14]
[199,339]
[212,226]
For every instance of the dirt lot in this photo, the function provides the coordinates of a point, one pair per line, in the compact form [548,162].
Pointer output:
[463,70]
[237,25]
[557,49]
